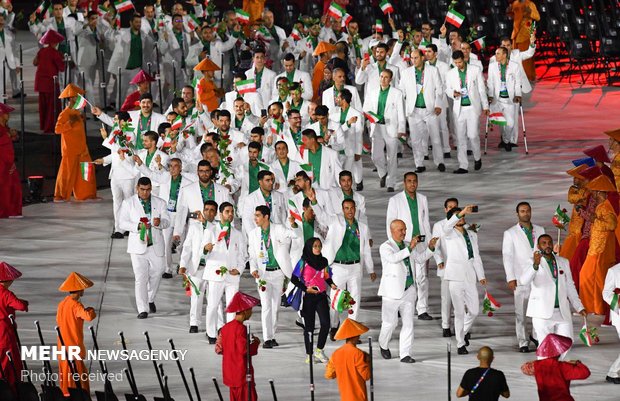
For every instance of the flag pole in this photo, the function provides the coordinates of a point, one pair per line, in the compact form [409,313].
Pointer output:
[372,376]
[559,235]
[449,372]
[102,79]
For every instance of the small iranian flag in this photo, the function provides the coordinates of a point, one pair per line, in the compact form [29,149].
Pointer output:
[242,16]
[193,22]
[346,19]
[101,10]
[276,127]
[308,169]
[378,26]
[585,336]
[80,102]
[423,45]
[292,209]
[167,143]
[336,10]
[295,34]
[264,35]
[489,304]
[560,219]
[366,149]
[123,5]
[223,233]
[87,170]
[498,119]
[41,7]
[196,84]
[372,117]
[454,18]
[247,86]
[161,22]
[263,166]
[177,123]
[479,43]
[386,7]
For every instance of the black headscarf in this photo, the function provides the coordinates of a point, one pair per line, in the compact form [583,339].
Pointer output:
[318,262]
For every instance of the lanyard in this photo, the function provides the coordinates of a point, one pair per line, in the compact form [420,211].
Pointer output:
[355,232]
[148,124]
[473,390]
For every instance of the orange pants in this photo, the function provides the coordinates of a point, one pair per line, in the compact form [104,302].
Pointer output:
[66,380]
[69,180]
[528,65]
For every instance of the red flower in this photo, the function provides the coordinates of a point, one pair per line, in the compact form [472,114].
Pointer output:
[352,303]
[490,314]
[229,159]
[596,340]
[144,220]
[617,291]
[217,272]
[263,289]
[561,271]
[350,311]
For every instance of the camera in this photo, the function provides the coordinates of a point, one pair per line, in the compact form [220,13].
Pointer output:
[421,238]
[193,215]
[263,113]
[474,209]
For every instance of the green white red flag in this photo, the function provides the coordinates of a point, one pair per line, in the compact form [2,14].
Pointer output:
[378,27]
[242,16]
[193,22]
[386,7]
[479,43]
[80,102]
[453,17]
[560,219]
[308,169]
[372,117]
[498,119]
[292,209]
[489,304]
[177,123]
[247,86]
[87,169]
[123,5]
[336,11]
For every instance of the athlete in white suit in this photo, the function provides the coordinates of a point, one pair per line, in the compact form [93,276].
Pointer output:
[352,123]
[611,289]
[518,247]
[265,78]
[294,75]
[144,216]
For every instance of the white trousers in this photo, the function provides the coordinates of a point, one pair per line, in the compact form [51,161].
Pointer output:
[614,369]
[467,127]
[347,277]
[464,295]
[423,124]
[555,324]
[421,278]
[147,270]
[214,304]
[121,190]
[270,302]
[522,328]
[355,167]
[382,143]
[167,232]
[196,301]
[510,133]
[389,320]
[446,304]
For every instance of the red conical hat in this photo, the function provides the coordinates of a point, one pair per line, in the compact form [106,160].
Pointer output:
[591,173]
[141,77]
[75,282]
[6,109]
[51,37]
[8,272]
[350,328]
[598,153]
[553,345]
[241,302]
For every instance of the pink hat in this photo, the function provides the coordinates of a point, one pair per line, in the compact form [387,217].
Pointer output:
[241,302]
[553,345]
[598,153]
[8,272]
[6,109]
[51,37]
[141,77]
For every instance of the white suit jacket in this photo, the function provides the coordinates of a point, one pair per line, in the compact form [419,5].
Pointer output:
[353,140]
[153,168]
[328,98]
[336,140]
[254,99]
[330,167]
[193,248]
[190,200]
[71,28]
[398,208]
[299,76]
[120,169]
[333,242]
[458,266]
[394,113]
[131,213]
[394,271]
[279,210]
[612,281]
[432,86]
[87,52]
[122,47]
[518,56]
[156,119]
[165,183]
[281,237]
[517,254]
[542,295]
[513,80]
[336,196]
[6,50]
[217,48]
[475,88]
[322,209]
[267,82]
[232,256]
[440,253]
[370,76]
[276,168]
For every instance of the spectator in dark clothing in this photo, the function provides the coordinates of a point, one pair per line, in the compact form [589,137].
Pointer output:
[483,383]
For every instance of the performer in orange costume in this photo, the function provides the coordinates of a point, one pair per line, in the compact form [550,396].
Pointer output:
[349,364]
[523,13]
[10,186]
[601,253]
[578,197]
[207,94]
[70,126]
[323,51]
[49,62]
[142,80]
[254,8]
[70,319]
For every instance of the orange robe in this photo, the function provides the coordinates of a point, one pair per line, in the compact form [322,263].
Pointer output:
[521,31]
[576,196]
[206,94]
[70,319]
[601,256]
[254,8]
[349,365]
[74,150]
[317,77]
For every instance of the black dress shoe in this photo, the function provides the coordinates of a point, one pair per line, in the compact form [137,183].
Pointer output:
[524,350]
[299,322]
[332,333]
[166,275]
[126,234]
[447,155]
[267,344]
[382,181]
[360,186]
[407,359]
[143,315]
[211,340]
[399,155]
[425,316]
[469,153]
[513,145]
[502,144]
[478,164]
[374,170]
[614,380]
[275,343]
[420,169]
[460,171]
[467,337]
[152,307]
[534,341]
[385,353]
[462,351]
[193,329]
[390,189]
[284,302]
[18,95]
[508,147]
[447,333]
[116,235]
[441,167]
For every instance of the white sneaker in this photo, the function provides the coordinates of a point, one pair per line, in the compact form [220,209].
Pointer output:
[319,356]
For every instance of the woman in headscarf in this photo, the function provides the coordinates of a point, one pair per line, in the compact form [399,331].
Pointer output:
[312,276]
